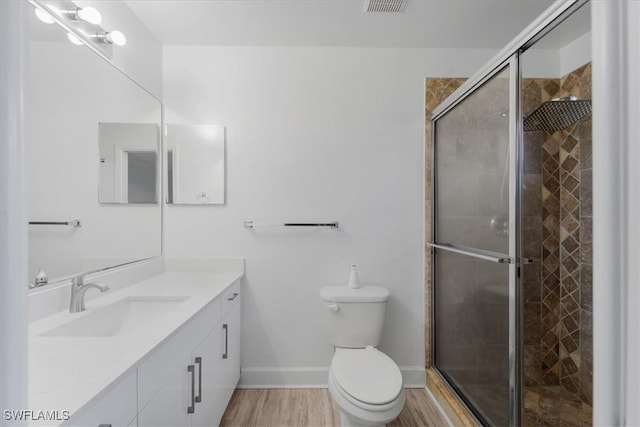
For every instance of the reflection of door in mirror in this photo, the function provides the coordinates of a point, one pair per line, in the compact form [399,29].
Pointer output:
[141,176]
[128,162]
[195,164]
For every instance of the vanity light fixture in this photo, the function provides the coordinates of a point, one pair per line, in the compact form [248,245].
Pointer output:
[112,37]
[44,16]
[74,39]
[83,24]
[90,15]
[86,14]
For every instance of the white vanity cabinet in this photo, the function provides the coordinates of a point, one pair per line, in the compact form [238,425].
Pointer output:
[169,406]
[173,336]
[231,359]
[225,372]
[189,379]
[210,401]
[115,408]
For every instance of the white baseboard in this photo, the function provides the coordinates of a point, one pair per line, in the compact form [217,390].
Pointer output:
[412,377]
[283,378]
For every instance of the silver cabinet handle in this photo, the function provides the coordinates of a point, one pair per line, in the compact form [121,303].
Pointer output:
[234,296]
[199,363]
[475,253]
[226,341]
[191,409]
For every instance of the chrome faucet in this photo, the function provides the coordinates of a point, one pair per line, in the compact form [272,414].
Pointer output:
[78,289]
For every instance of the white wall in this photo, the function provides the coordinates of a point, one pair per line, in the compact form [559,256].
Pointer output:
[616,200]
[557,63]
[13,209]
[313,134]
[632,109]
[575,54]
[540,63]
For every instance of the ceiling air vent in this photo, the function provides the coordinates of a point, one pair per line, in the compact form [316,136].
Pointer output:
[384,6]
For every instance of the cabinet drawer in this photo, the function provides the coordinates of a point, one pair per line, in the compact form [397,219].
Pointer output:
[156,370]
[230,297]
[115,407]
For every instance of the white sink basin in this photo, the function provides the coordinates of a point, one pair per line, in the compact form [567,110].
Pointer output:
[118,318]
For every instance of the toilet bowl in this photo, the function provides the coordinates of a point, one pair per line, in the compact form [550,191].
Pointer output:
[366,385]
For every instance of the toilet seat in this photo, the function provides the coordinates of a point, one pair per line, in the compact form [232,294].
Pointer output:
[367,377]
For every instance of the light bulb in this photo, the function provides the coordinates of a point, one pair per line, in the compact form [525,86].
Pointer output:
[116,37]
[74,39]
[90,15]
[44,16]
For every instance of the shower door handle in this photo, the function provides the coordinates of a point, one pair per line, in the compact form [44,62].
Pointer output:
[475,253]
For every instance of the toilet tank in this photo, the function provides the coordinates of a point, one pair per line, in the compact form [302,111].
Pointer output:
[354,317]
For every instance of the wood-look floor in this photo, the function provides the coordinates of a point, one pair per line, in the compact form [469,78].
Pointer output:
[313,407]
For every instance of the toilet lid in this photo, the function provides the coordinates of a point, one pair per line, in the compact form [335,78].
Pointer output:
[367,375]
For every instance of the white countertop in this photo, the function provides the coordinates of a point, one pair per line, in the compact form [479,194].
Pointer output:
[65,373]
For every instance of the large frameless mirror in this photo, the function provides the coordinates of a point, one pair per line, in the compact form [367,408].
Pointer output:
[77,101]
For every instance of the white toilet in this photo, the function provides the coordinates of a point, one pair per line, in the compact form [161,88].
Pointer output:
[363,381]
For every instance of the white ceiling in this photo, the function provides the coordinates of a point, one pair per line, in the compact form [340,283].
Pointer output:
[424,23]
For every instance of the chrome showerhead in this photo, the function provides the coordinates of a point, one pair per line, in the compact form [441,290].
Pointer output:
[557,114]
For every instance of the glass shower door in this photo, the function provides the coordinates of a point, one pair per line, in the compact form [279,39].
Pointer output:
[474,247]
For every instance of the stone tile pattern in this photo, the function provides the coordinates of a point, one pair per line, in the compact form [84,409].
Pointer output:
[436,91]
[532,243]
[554,406]
[584,134]
[564,297]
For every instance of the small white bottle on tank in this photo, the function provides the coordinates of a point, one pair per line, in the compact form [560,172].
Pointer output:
[354,279]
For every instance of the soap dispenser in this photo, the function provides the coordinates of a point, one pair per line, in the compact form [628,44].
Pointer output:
[354,279]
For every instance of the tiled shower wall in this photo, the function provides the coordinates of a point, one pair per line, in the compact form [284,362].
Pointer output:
[557,290]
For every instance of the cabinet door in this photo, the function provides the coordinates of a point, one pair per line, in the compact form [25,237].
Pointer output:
[156,369]
[231,352]
[207,358]
[168,408]
[116,408]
